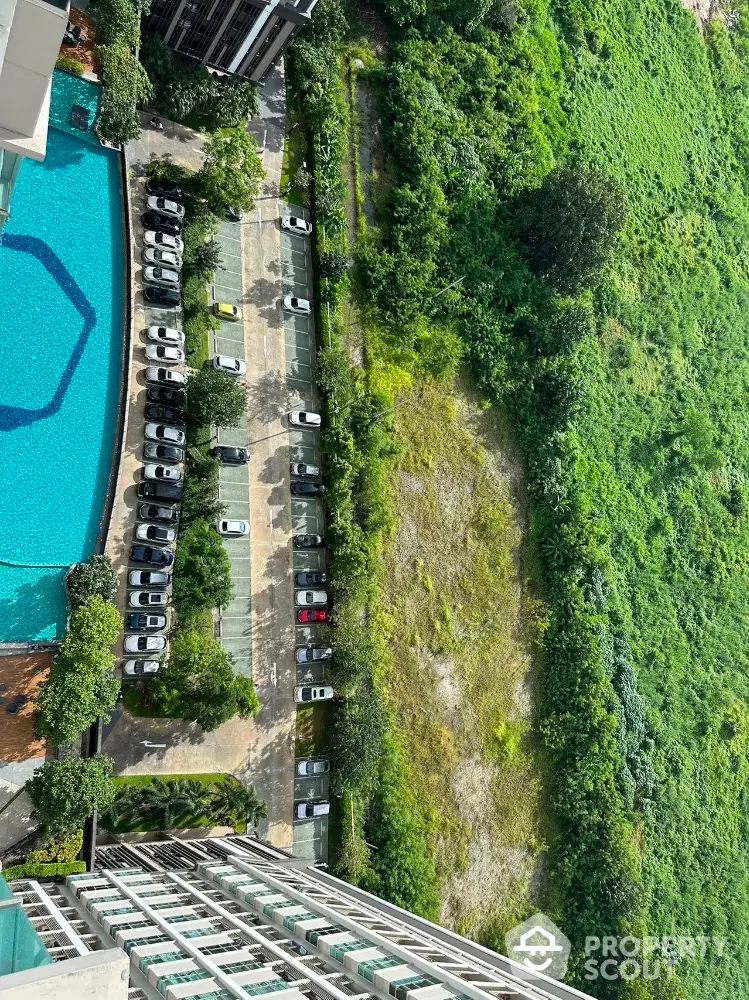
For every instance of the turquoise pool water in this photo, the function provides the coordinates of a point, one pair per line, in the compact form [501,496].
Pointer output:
[61,327]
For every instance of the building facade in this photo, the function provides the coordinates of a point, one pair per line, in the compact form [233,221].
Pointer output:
[244,37]
[30,36]
[232,918]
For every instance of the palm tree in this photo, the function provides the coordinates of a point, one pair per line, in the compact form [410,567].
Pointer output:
[126,802]
[165,801]
[232,802]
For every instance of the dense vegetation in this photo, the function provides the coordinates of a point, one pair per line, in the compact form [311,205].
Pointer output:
[624,365]
[126,83]
[65,792]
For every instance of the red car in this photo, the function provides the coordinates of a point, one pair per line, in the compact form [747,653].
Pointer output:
[305,616]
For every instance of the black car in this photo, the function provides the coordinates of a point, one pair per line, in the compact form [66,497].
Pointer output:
[230,456]
[160,394]
[308,541]
[158,296]
[161,223]
[233,214]
[165,415]
[163,452]
[138,621]
[307,489]
[171,492]
[310,579]
[165,189]
[153,512]
[153,557]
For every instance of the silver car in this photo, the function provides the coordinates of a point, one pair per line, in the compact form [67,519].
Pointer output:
[302,307]
[166,258]
[165,434]
[310,598]
[165,354]
[162,473]
[312,766]
[166,335]
[140,668]
[144,643]
[147,599]
[313,654]
[163,276]
[166,206]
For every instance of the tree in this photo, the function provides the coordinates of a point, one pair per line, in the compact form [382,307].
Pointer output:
[199,685]
[232,170]
[214,397]
[232,802]
[126,85]
[80,686]
[96,576]
[333,265]
[200,499]
[65,792]
[202,571]
[206,259]
[570,224]
[117,21]
[165,801]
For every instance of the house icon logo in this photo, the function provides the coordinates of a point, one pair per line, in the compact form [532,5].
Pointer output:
[539,946]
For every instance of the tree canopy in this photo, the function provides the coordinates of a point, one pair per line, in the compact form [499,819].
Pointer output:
[232,171]
[95,576]
[214,397]
[65,792]
[202,572]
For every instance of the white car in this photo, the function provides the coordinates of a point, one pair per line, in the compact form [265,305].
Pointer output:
[165,354]
[166,335]
[147,599]
[166,207]
[144,643]
[155,533]
[162,376]
[165,434]
[164,241]
[303,418]
[301,307]
[311,766]
[311,692]
[232,366]
[148,578]
[294,225]
[166,258]
[162,473]
[162,276]
[304,469]
[311,809]
[313,654]
[310,598]
[233,529]
[140,668]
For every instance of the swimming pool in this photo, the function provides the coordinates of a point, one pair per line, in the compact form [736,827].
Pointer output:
[61,329]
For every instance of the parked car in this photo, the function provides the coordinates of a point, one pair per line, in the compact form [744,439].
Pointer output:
[155,512]
[166,354]
[162,473]
[139,622]
[313,654]
[232,366]
[169,492]
[312,766]
[308,579]
[144,643]
[166,206]
[308,541]
[165,376]
[147,599]
[162,276]
[307,490]
[140,668]
[233,529]
[230,456]
[165,414]
[161,223]
[152,557]
[225,310]
[162,452]
[165,241]
[155,533]
[170,397]
[307,598]
[309,617]
[165,189]
[166,335]
[301,307]
[232,214]
[305,470]
[153,256]
[294,225]
[310,692]
[168,298]
[304,418]
[148,578]
[311,808]
[163,432]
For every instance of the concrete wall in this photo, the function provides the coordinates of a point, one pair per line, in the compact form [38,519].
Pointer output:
[101,975]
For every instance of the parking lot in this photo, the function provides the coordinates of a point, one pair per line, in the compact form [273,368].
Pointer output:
[234,623]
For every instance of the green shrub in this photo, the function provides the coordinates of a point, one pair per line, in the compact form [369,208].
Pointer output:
[61,850]
[95,576]
[126,87]
[41,871]
[70,65]
[202,571]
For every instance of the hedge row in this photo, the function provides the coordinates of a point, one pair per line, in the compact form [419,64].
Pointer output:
[44,871]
